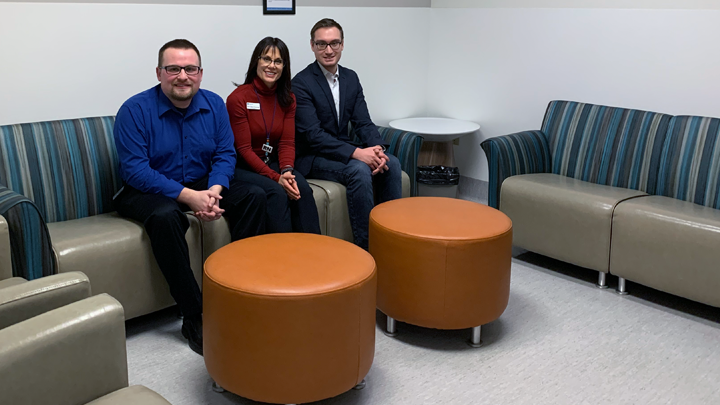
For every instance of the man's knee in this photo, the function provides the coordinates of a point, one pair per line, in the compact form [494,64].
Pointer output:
[167,216]
[393,163]
[358,172]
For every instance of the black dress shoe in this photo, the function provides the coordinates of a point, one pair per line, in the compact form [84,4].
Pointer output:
[192,331]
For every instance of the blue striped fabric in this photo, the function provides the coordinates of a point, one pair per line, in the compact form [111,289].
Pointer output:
[68,168]
[521,153]
[606,145]
[690,164]
[405,146]
[30,246]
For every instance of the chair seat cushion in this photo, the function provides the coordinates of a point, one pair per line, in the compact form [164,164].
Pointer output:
[115,253]
[561,217]
[669,245]
[136,395]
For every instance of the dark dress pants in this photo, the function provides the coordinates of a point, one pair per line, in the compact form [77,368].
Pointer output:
[166,223]
[284,214]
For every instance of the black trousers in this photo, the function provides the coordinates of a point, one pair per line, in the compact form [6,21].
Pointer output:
[166,223]
[284,214]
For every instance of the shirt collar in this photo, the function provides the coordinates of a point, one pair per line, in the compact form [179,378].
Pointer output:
[327,73]
[197,103]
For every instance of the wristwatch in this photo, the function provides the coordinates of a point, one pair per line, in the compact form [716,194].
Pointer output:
[383,148]
[286,169]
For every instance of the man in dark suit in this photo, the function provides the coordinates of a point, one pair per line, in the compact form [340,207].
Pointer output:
[329,97]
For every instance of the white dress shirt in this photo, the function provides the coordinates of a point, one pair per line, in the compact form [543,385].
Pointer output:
[333,80]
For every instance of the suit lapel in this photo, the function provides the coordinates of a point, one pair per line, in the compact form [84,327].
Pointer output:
[343,91]
[323,83]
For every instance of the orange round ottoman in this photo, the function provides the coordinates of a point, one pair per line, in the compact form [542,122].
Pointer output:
[289,318]
[442,263]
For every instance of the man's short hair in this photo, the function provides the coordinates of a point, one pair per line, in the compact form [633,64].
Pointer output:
[178,44]
[326,23]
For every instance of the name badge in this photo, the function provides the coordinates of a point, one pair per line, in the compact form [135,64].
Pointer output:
[267,148]
[253,106]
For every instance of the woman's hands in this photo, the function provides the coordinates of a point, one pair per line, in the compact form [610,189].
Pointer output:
[287,181]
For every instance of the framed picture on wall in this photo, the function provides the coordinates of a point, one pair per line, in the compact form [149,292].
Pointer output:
[278,6]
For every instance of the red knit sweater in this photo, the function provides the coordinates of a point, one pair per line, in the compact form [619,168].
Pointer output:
[249,129]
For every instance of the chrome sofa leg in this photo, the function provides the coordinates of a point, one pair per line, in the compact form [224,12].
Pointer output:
[621,288]
[475,340]
[217,388]
[602,280]
[360,386]
[391,328]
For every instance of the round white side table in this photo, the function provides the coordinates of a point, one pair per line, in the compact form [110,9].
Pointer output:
[437,147]
[438,135]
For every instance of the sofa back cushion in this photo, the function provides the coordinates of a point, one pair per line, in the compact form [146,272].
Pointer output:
[605,145]
[69,168]
[690,165]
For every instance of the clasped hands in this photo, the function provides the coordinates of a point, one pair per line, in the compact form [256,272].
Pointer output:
[373,157]
[205,204]
[287,181]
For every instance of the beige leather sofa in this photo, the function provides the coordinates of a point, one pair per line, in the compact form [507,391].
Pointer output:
[60,346]
[70,172]
[631,193]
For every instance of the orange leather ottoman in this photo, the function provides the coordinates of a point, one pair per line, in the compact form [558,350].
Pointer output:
[442,263]
[289,318]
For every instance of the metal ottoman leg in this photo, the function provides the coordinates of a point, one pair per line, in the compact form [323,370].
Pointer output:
[391,328]
[475,340]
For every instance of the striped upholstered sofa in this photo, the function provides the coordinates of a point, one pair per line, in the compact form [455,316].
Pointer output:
[65,173]
[631,193]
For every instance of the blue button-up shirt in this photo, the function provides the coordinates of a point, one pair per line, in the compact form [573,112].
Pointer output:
[160,149]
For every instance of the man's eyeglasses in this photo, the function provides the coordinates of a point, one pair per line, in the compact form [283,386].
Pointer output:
[335,45]
[190,70]
[267,61]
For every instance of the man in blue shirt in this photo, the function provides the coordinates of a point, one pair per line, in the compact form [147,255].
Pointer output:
[176,154]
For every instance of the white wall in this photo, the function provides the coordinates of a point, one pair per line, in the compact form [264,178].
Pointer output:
[67,60]
[500,67]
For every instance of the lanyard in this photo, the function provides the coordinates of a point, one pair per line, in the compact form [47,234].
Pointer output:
[267,148]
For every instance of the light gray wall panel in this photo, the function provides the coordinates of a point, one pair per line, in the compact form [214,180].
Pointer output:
[299,3]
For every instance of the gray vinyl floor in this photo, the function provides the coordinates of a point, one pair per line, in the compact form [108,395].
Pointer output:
[560,341]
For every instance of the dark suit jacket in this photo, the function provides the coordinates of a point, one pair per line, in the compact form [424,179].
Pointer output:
[317,132]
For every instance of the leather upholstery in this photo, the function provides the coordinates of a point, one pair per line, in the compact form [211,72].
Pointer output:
[5,254]
[25,300]
[8,282]
[442,263]
[116,256]
[561,217]
[669,245]
[289,318]
[135,395]
[67,356]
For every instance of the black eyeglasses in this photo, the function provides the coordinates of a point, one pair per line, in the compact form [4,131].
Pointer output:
[190,70]
[267,61]
[335,45]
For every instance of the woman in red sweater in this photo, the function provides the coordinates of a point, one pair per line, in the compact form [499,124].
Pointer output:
[262,115]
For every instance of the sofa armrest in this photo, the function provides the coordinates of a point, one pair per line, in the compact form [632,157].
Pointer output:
[70,355]
[31,248]
[405,146]
[5,252]
[26,300]
[509,155]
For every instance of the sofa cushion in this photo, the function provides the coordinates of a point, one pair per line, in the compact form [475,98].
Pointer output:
[690,165]
[135,395]
[561,217]
[69,168]
[116,255]
[669,245]
[612,146]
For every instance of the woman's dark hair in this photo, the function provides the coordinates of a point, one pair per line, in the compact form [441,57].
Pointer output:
[282,86]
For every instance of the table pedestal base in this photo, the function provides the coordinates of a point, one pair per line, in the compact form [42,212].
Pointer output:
[436,153]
